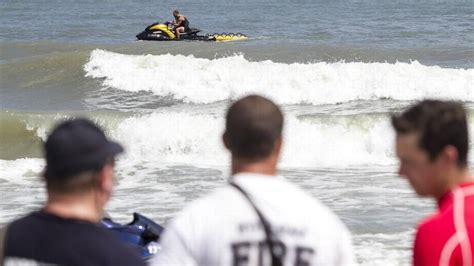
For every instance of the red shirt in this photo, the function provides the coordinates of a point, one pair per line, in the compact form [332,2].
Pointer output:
[447,237]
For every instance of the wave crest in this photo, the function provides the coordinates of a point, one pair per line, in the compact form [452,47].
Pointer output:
[202,81]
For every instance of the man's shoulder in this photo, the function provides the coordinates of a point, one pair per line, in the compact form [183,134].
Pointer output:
[24,221]
[427,226]
[433,222]
[226,195]
[25,238]
[443,220]
[434,230]
[299,196]
[200,215]
[279,192]
[210,201]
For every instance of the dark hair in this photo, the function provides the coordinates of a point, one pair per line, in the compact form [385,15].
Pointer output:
[439,123]
[175,13]
[77,183]
[253,125]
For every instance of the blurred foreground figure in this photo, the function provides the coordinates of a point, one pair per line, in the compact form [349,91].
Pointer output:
[79,178]
[259,218]
[432,146]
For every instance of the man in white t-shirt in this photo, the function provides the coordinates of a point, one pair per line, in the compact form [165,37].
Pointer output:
[259,218]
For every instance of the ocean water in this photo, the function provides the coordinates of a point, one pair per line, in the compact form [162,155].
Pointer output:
[338,69]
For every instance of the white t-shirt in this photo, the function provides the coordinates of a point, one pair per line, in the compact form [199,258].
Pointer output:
[224,229]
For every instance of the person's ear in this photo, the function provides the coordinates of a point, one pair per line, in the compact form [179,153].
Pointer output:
[225,139]
[106,179]
[278,145]
[450,155]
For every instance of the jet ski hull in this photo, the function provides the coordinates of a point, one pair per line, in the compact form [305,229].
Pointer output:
[159,36]
[142,234]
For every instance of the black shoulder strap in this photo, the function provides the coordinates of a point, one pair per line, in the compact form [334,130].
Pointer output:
[276,261]
[3,236]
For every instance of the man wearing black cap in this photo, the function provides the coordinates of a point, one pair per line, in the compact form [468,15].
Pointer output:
[79,178]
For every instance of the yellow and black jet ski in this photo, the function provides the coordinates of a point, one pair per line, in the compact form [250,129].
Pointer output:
[164,32]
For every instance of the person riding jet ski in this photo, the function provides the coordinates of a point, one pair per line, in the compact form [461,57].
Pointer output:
[180,23]
[179,29]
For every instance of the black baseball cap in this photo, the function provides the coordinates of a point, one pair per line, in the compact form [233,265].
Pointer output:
[75,146]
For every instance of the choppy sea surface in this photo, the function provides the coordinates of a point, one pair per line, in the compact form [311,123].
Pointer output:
[338,69]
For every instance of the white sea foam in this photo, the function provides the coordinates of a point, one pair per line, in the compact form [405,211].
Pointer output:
[198,80]
[172,137]
[318,141]
[21,171]
[20,187]
[375,249]
[196,138]
[181,136]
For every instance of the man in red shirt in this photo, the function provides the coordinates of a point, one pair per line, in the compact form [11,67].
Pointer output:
[432,146]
